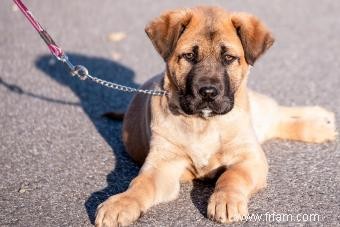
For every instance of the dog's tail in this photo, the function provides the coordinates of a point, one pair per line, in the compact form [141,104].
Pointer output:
[118,116]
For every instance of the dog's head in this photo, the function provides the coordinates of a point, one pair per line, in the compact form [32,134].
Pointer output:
[207,52]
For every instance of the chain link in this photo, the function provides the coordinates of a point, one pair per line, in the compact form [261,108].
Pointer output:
[83,74]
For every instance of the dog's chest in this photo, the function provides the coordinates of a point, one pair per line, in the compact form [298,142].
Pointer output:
[202,147]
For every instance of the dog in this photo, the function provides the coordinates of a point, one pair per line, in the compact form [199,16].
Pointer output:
[210,124]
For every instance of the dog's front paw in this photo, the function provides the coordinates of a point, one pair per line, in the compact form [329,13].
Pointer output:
[118,210]
[227,207]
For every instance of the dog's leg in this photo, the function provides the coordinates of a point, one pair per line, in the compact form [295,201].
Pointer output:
[158,181]
[308,124]
[229,202]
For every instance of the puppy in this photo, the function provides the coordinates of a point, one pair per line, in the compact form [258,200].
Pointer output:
[210,122]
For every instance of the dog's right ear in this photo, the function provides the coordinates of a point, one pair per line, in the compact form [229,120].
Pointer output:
[165,30]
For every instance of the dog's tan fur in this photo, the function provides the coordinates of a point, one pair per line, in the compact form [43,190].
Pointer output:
[178,147]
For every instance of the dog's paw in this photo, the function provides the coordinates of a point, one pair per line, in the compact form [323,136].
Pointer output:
[118,210]
[320,125]
[227,207]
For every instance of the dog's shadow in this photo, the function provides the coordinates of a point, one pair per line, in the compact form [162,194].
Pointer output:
[200,194]
[96,100]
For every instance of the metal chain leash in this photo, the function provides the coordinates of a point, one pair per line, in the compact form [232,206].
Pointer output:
[82,73]
[78,70]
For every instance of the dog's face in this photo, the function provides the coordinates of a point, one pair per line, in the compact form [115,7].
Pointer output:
[208,52]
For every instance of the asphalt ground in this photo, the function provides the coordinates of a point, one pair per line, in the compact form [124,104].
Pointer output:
[59,158]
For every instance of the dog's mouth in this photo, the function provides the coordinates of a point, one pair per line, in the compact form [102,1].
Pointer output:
[196,106]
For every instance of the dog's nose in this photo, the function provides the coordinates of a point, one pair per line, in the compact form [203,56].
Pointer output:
[208,93]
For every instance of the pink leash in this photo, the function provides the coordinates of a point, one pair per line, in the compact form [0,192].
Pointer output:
[55,50]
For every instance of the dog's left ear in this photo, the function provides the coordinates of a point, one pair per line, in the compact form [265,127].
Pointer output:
[165,30]
[254,35]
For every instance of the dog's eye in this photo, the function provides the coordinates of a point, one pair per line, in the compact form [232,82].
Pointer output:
[228,59]
[189,56]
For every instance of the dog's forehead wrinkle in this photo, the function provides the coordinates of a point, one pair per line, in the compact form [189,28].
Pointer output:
[209,30]
[214,22]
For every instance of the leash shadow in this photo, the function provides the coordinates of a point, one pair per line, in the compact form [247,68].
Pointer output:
[11,87]
[96,100]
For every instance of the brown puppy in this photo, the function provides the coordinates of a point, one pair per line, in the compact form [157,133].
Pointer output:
[210,122]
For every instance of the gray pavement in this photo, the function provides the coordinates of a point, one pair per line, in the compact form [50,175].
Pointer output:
[59,158]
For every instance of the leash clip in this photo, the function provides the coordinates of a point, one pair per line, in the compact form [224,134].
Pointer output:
[78,70]
[81,71]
